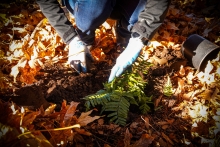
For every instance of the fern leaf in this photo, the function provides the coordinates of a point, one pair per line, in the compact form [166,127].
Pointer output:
[121,121]
[119,110]
[144,108]
[112,114]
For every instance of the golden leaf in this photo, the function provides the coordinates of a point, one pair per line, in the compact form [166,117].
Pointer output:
[206,94]
[50,109]
[15,69]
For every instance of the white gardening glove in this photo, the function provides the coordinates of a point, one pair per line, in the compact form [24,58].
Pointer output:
[127,57]
[78,55]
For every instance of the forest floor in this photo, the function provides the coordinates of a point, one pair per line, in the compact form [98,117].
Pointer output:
[35,78]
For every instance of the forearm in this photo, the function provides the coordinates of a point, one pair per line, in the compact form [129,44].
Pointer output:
[57,18]
[152,17]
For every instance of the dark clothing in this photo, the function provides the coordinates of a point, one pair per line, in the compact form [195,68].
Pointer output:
[148,14]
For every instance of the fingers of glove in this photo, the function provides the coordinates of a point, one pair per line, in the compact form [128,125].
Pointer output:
[75,64]
[113,73]
[78,66]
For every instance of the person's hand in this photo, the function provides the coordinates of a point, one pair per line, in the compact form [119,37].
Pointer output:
[78,55]
[126,58]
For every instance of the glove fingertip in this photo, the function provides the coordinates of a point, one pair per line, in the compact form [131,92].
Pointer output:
[75,64]
[119,72]
[83,68]
[113,73]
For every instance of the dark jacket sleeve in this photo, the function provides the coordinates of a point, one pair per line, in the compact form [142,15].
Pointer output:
[151,18]
[57,18]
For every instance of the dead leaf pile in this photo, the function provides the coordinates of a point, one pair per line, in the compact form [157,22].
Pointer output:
[21,126]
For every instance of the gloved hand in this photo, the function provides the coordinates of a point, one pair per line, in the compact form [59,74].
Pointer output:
[126,58]
[78,55]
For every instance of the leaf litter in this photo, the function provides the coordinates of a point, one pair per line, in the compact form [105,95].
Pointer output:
[31,45]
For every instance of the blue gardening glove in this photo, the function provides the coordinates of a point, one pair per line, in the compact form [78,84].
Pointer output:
[79,55]
[127,57]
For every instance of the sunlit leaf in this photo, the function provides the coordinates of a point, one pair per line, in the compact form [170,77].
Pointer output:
[70,112]
[84,118]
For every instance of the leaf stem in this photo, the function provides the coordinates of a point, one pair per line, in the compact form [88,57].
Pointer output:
[56,129]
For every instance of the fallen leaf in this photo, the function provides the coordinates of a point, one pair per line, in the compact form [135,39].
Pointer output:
[182,71]
[29,118]
[50,109]
[167,138]
[160,61]
[127,138]
[171,26]
[147,123]
[70,112]
[144,141]
[162,142]
[161,123]
[84,118]
[164,127]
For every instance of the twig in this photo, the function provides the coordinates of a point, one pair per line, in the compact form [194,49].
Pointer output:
[148,124]
[56,129]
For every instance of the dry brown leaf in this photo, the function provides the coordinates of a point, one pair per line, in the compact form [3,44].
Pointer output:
[161,123]
[98,54]
[187,96]
[70,112]
[164,127]
[28,74]
[160,61]
[15,69]
[82,132]
[106,145]
[206,94]
[182,71]
[171,26]
[127,138]
[162,142]
[157,101]
[144,141]
[101,121]
[170,121]
[167,138]
[147,123]
[84,118]
[29,118]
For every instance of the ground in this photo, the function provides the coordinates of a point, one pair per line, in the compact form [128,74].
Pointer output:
[56,83]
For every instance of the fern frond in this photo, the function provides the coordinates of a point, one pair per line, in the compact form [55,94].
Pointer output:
[121,92]
[119,109]
[100,98]
[144,108]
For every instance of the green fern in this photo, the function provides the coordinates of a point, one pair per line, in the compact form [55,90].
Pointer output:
[117,95]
